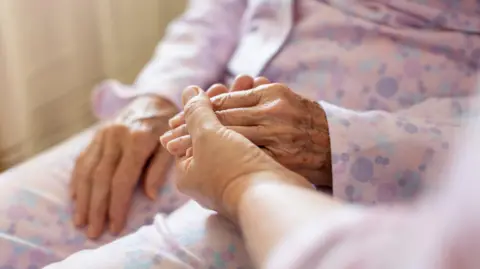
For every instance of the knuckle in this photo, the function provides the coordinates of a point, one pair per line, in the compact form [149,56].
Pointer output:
[117,127]
[279,88]
[220,100]
[192,106]
[256,94]
[138,136]
[117,130]
[277,108]
[222,117]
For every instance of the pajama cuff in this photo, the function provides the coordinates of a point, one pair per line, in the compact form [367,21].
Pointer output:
[110,96]
[343,136]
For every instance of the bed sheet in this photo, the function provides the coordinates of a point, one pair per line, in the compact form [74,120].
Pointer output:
[36,226]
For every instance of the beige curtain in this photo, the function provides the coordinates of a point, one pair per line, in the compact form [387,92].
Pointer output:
[52,52]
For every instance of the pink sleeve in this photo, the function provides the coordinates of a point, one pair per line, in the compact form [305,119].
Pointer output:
[441,232]
[381,157]
[195,50]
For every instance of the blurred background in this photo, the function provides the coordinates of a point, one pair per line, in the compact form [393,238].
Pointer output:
[52,52]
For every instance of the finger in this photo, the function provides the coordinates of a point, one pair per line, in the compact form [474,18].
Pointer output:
[173,134]
[79,170]
[189,153]
[84,179]
[125,180]
[101,185]
[216,89]
[177,120]
[247,98]
[77,173]
[156,172]
[179,146]
[241,83]
[250,116]
[260,81]
[199,114]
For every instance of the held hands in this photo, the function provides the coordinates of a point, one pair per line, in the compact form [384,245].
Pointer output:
[122,152]
[223,164]
[288,127]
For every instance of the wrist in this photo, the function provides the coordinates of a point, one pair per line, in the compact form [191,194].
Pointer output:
[321,137]
[154,106]
[160,101]
[236,192]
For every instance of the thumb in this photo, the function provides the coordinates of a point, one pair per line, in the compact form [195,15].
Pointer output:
[199,114]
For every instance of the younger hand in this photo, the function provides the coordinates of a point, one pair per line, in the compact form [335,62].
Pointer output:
[223,163]
[290,128]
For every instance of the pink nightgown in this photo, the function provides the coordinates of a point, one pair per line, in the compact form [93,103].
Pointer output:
[394,77]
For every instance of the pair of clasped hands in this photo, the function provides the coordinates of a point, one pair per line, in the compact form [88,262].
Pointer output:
[221,142]
[224,135]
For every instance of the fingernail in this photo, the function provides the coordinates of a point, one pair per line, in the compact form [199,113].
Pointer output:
[189,93]
[164,138]
[152,194]
[172,121]
[78,220]
[91,233]
[113,229]
[176,120]
[189,152]
[167,134]
[172,147]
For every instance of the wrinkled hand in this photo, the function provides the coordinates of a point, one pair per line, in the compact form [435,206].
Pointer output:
[290,128]
[122,151]
[223,163]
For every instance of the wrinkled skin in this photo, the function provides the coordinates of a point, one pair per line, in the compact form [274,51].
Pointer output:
[123,152]
[288,127]
[223,164]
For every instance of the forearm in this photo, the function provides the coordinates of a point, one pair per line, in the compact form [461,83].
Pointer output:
[267,216]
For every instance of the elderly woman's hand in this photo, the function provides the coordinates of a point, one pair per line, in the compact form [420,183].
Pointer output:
[123,152]
[290,128]
[107,172]
[223,163]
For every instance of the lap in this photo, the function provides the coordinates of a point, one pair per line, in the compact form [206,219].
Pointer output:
[36,226]
[191,237]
